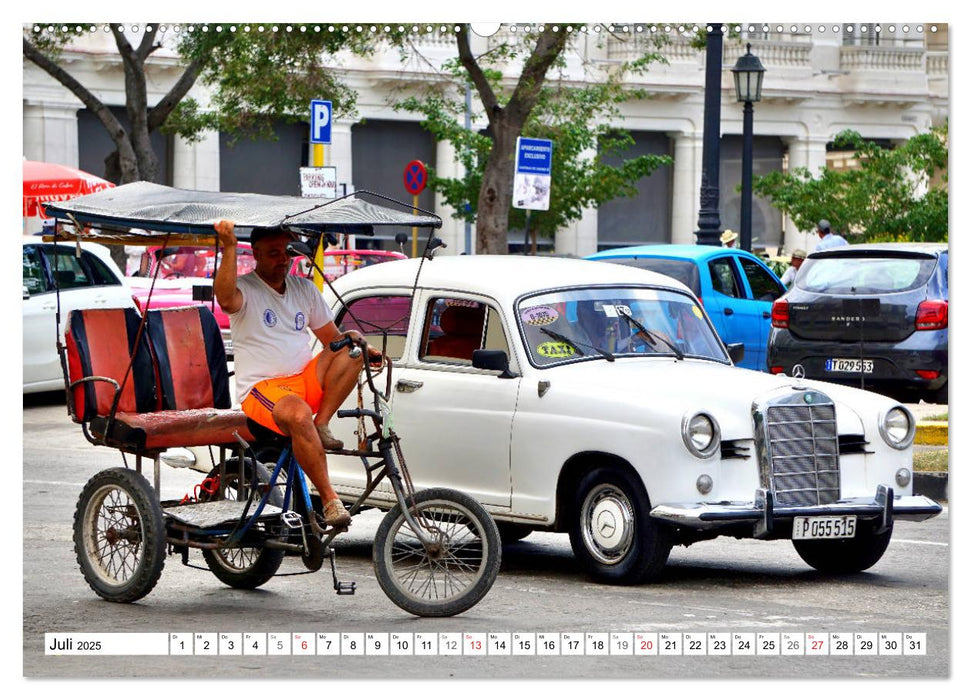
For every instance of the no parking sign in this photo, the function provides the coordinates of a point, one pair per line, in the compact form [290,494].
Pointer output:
[416,177]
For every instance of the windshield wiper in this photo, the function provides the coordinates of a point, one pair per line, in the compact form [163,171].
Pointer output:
[650,337]
[575,344]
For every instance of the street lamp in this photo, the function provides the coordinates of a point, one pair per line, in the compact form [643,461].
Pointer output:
[748,72]
[709,222]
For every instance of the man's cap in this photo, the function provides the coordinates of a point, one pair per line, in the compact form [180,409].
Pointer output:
[799,253]
[259,232]
[823,225]
[729,236]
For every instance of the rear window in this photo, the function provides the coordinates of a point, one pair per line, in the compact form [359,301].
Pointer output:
[864,275]
[684,271]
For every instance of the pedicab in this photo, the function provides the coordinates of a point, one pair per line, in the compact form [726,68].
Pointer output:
[145,383]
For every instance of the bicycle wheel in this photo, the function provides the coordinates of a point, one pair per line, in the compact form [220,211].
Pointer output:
[119,535]
[245,567]
[449,576]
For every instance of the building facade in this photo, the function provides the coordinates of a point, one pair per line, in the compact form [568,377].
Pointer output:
[887,81]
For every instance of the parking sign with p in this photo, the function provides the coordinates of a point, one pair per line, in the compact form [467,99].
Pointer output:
[320,121]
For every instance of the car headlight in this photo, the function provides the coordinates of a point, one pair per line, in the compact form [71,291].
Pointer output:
[701,434]
[897,427]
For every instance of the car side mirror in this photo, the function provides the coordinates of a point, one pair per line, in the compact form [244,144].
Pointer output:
[736,351]
[492,360]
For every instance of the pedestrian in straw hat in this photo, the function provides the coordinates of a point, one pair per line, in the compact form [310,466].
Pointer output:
[729,238]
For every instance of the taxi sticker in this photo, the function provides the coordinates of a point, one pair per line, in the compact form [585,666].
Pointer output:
[540,315]
[555,350]
[696,311]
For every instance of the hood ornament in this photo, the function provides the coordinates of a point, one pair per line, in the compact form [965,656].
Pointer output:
[798,373]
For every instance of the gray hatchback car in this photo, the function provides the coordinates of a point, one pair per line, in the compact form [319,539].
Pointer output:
[873,316]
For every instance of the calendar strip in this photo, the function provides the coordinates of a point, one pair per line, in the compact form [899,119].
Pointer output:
[374,644]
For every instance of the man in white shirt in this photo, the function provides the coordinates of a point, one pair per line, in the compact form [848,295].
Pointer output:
[795,262]
[279,383]
[828,240]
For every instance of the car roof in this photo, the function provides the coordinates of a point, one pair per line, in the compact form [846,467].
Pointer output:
[670,250]
[503,277]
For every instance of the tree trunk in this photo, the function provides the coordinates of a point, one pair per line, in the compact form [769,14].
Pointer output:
[506,122]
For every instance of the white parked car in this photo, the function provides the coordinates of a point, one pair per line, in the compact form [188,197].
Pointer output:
[89,281]
[571,395]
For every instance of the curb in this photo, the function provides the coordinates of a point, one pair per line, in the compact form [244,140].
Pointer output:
[931,484]
[931,433]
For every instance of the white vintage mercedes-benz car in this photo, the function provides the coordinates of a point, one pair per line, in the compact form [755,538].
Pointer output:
[578,396]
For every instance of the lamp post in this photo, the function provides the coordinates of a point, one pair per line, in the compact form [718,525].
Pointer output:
[709,222]
[748,73]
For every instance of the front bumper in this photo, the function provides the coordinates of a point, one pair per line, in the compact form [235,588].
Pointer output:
[768,519]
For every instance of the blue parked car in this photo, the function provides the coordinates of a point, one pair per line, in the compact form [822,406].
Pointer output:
[735,287]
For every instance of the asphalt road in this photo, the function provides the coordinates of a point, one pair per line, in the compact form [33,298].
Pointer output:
[722,586]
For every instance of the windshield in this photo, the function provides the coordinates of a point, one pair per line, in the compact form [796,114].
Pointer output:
[189,261]
[864,275]
[574,324]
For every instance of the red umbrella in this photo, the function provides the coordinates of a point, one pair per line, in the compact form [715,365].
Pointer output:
[51,182]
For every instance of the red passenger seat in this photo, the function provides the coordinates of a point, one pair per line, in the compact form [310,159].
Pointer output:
[177,394]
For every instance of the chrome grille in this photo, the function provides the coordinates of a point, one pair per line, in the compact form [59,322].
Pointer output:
[802,448]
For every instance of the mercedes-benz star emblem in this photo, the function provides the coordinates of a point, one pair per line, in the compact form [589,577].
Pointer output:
[606,524]
[798,371]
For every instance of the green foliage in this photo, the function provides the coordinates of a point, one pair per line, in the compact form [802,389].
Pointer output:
[895,194]
[259,77]
[574,117]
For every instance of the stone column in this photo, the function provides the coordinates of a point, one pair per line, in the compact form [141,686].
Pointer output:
[804,152]
[453,230]
[195,166]
[338,154]
[686,183]
[51,132]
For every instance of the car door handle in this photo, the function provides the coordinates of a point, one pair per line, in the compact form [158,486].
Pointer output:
[729,312]
[406,386]
[766,314]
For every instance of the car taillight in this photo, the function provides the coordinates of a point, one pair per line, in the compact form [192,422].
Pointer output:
[780,313]
[776,369]
[931,315]
[928,373]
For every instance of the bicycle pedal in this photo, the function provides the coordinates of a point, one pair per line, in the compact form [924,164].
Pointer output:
[340,587]
[292,519]
[346,588]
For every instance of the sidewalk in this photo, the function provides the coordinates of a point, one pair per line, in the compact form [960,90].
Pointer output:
[930,435]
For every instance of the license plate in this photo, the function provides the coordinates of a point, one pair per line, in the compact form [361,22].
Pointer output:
[823,527]
[838,364]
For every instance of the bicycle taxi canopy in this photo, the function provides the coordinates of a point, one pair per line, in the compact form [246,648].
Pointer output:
[169,213]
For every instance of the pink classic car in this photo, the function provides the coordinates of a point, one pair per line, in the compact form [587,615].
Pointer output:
[185,275]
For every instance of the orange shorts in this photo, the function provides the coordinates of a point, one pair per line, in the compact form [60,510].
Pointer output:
[261,399]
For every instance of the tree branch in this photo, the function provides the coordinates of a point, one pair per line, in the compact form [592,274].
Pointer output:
[548,48]
[160,112]
[104,115]
[489,100]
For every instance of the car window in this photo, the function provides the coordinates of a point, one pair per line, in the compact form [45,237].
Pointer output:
[101,275]
[455,328]
[723,277]
[381,319]
[34,279]
[581,323]
[684,271]
[764,288]
[67,269]
[864,275]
